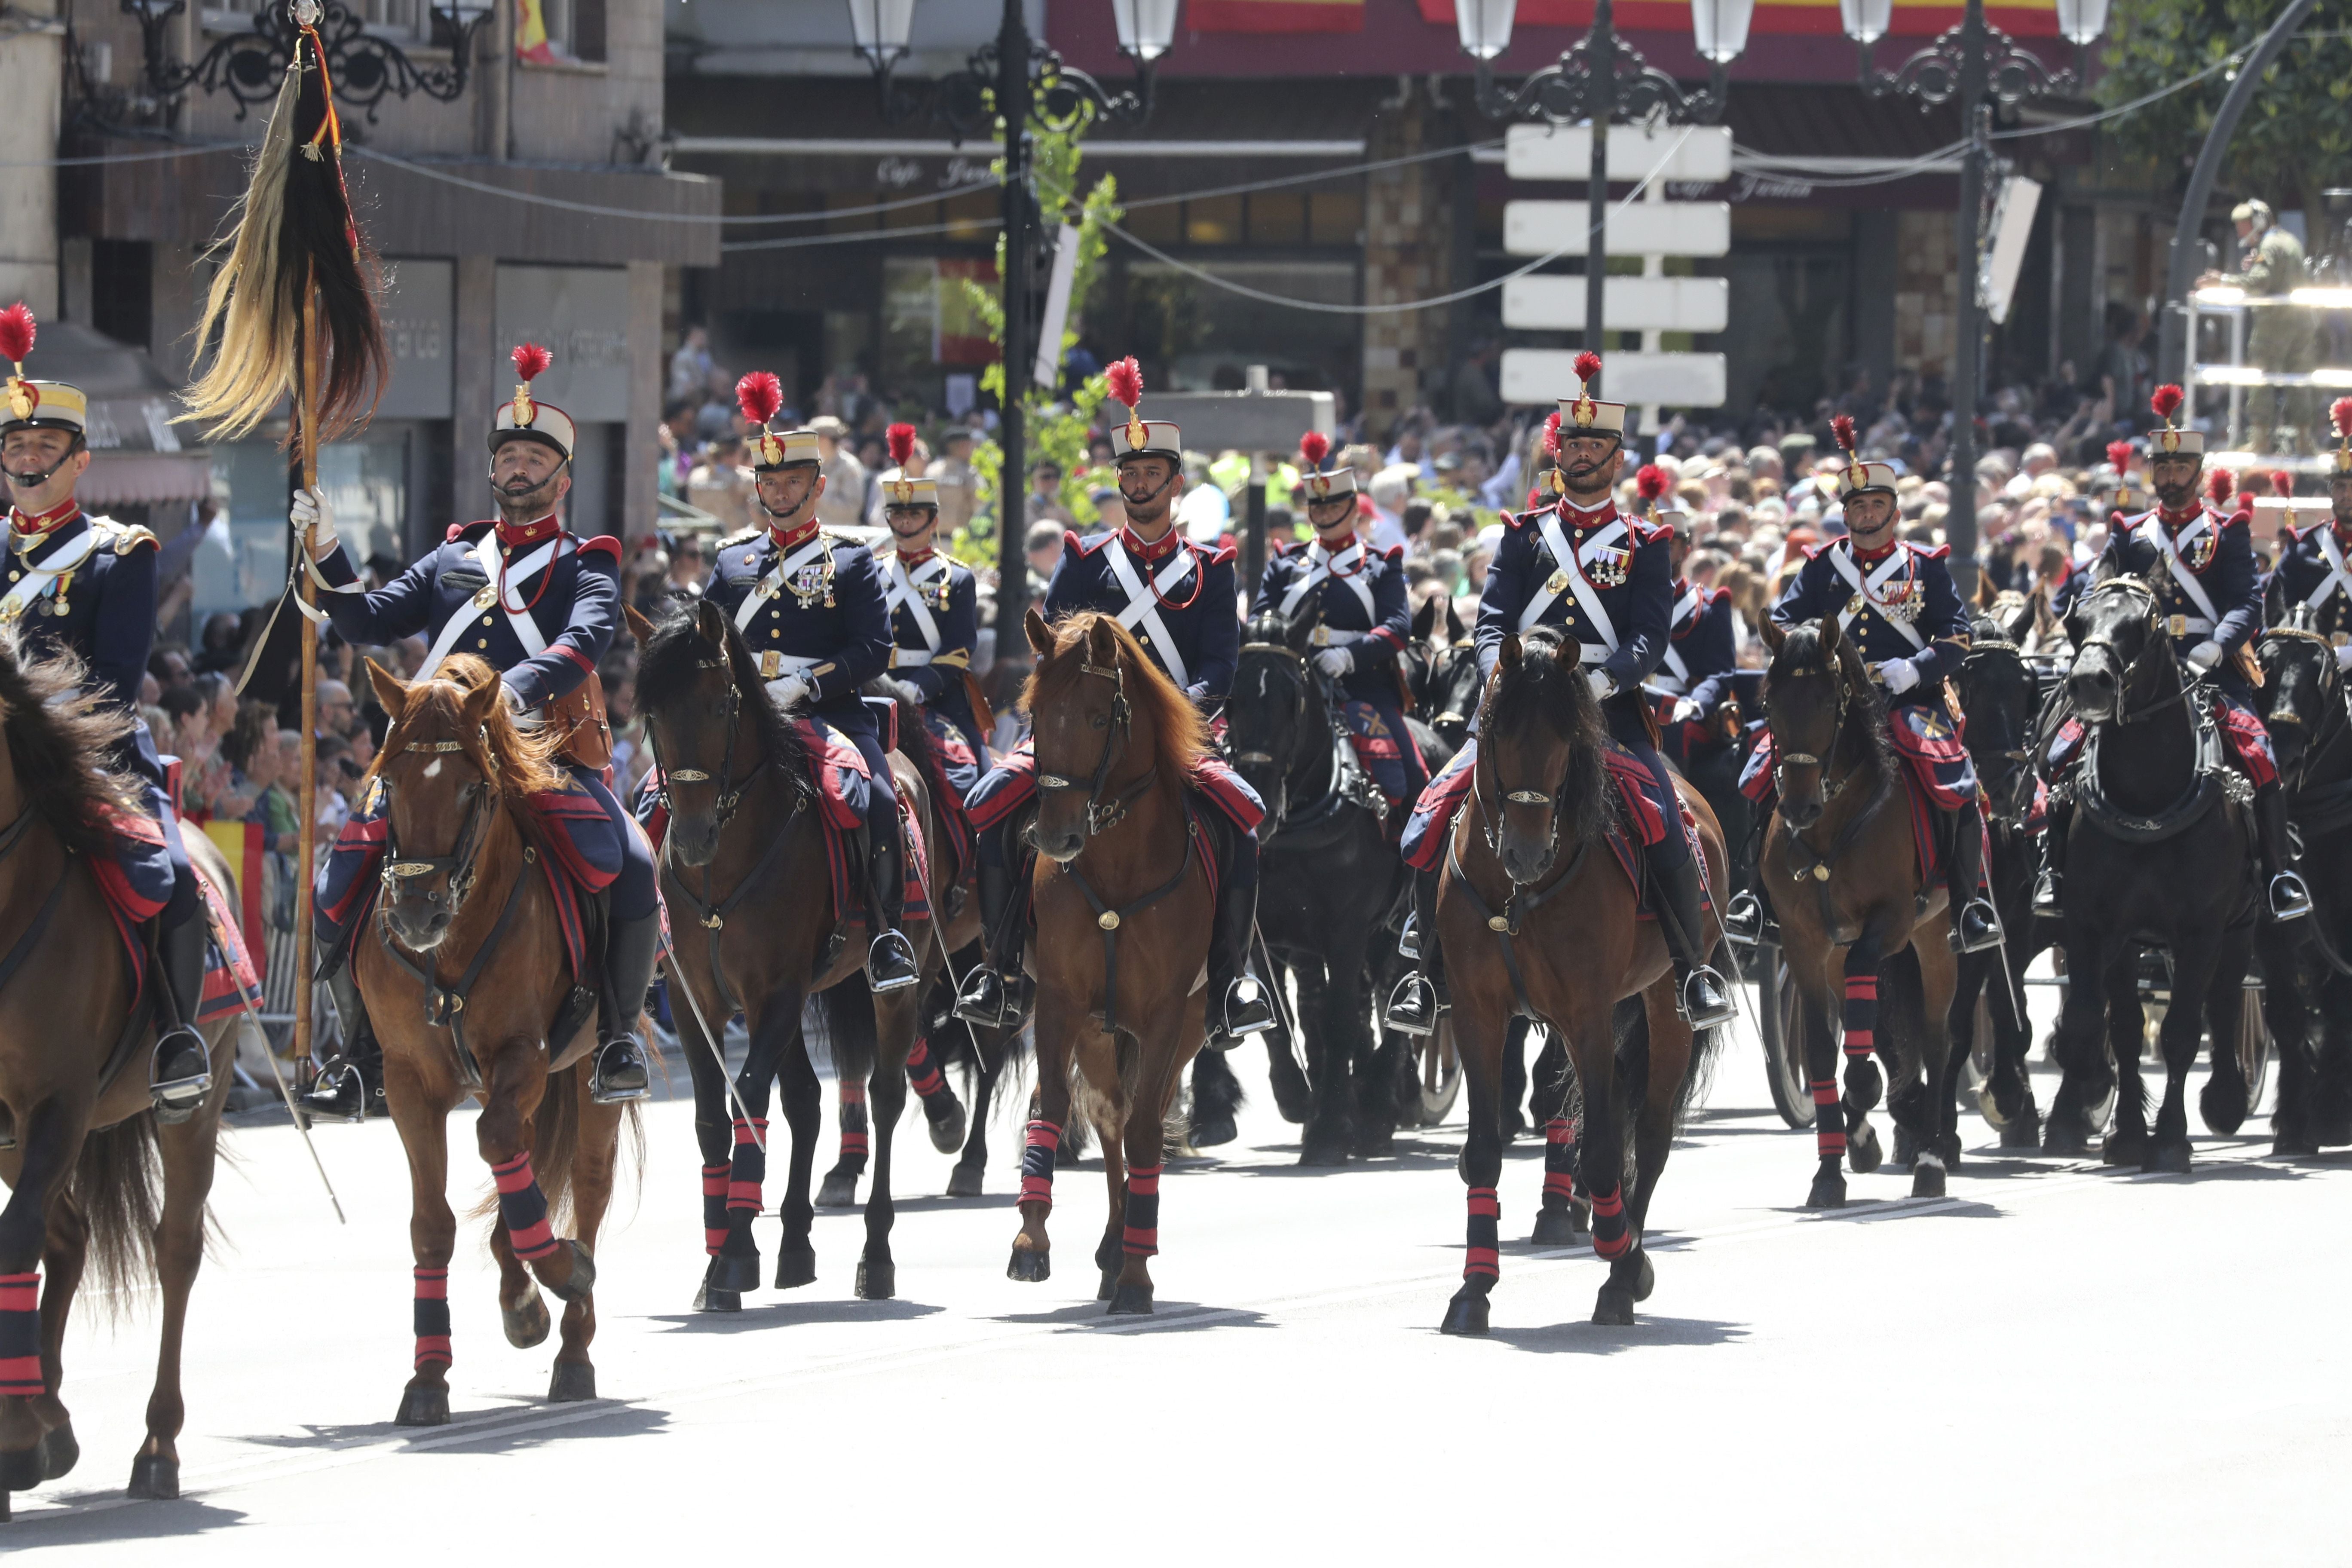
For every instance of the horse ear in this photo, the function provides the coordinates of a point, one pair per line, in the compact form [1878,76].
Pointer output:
[391,695]
[1425,619]
[711,622]
[1453,629]
[1041,636]
[639,627]
[1769,630]
[1102,647]
[1833,637]
[1298,634]
[483,700]
[2028,615]
[1509,656]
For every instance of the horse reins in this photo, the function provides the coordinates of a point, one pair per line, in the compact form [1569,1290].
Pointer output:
[1806,862]
[2014,757]
[1520,903]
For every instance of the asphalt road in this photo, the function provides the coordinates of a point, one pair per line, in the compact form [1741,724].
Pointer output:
[2056,1364]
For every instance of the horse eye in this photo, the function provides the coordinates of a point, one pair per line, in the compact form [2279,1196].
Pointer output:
[1099,722]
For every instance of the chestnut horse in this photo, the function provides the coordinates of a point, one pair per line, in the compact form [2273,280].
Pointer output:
[472,995]
[1539,920]
[1123,907]
[79,1145]
[745,872]
[1840,865]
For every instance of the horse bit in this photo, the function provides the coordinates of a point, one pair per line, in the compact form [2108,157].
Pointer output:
[1101,816]
[459,863]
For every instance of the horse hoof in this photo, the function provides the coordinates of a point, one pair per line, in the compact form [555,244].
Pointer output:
[2123,1149]
[1948,1146]
[2066,1138]
[59,1450]
[580,1281]
[837,1192]
[527,1323]
[2022,1131]
[1031,1266]
[1556,1228]
[794,1269]
[963,1182]
[1613,1305]
[1646,1279]
[424,1405]
[1927,1179]
[1465,1314]
[2223,1106]
[947,1130]
[1131,1301]
[1110,1286]
[2331,1128]
[877,1279]
[21,1469]
[711,1298]
[2294,1146]
[2166,1157]
[1862,1149]
[1218,1129]
[574,1381]
[734,1273]
[1828,1192]
[155,1476]
[1326,1156]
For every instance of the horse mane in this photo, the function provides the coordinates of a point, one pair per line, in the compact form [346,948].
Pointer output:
[1176,724]
[522,762]
[1549,688]
[1803,647]
[61,739]
[671,662]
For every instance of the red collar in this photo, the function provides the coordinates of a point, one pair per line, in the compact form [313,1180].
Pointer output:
[2343,531]
[1576,516]
[911,561]
[1346,541]
[46,524]
[796,537]
[1167,544]
[2176,522]
[545,529]
[1871,558]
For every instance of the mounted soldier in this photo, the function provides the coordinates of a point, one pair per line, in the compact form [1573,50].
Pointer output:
[1605,579]
[2311,586]
[1355,596]
[1178,599]
[2201,567]
[539,605]
[1693,681]
[86,585]
[1895,600]
[815,611]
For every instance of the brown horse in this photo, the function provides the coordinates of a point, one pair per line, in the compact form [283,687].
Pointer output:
[745,872]
[1539,920]
[1123,909]
[472,995]
[1841,866]
[79,1145]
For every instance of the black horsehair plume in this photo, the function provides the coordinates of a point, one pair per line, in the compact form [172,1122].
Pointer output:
[293,230]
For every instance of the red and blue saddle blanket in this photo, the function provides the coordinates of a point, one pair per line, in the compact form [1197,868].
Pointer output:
[136,883]
[2241,727]
[956,772]
[1936,770]
[1381,747]
[1012,784]
[1640,823]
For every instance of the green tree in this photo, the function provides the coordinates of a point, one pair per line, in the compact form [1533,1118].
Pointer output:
[2296,137]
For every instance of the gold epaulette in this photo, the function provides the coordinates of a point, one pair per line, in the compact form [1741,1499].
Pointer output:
[124,538]
[732,540]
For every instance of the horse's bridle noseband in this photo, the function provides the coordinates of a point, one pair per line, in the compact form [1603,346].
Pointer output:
[1493,831]
[2130,671]
[1784,759]
[731,789]
[459,864]
[1101,814]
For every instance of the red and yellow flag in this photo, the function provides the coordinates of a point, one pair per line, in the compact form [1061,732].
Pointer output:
[531,32]
[1282,15]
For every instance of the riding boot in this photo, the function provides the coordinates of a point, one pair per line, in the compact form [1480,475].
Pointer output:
[181,1073]
[987,998]
[890,957]
[1975,924]
[339,1094]
[1702,993]
[2049,882]
[630,950]
[1743,918]
[1420,998]
[1238,1004]
[2290,900]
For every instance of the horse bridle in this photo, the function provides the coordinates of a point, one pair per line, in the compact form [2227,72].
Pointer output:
[2130,672]
[1101,814]
[2336,720]
[2016,757]
[1298,708]
[1493,819]
[1783,760]
[731,789]
[459,864]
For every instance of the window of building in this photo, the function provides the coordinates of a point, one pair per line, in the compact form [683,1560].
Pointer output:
[1336,217]
[1277,218]
[1217,220]
[575,27]
[972,218]
[1162,222]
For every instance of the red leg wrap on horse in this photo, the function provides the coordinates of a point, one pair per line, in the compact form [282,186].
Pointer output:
[1485,1259]
[923,1073]
[1141,1238]
[1037,1163]
[1829,1142]
[714,1207]
[20,1334]
[1861,1015]
[1611,1236]
[751,1166]
[1559,1160]
[432,1318]
[522,1209]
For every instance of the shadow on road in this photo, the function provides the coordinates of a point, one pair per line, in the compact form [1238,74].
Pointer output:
[769,1314]
[1172,1317]
[503,1430]
[115,1518]
[1594,1339]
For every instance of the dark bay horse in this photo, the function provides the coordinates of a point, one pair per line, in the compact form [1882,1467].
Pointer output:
[2167,864]
[80,1147]
[1329,882]
[755,930]
[2302,702]
[1538,919]
[1123,907]
[1840,861]
[471,987]
[1440,670]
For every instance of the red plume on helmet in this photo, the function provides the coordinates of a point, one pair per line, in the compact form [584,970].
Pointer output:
[2281,482]
[1313,445]
[2119,453]
[1587,366]
[1650,481]
[18,329]
[2166,400]
[1842,428]
[1125,379]
[901,440]
[2340,412]
[530,361]
[759,394]
[1551,432]
[2220,484]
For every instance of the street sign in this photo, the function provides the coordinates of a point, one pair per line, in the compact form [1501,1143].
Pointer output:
[1641,228]
[1699,155]
[1550,302]
[1674,380]
[2012,227]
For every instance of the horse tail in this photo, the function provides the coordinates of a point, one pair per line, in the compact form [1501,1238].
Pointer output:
[555,1139]
[118,1185]
[847,1011]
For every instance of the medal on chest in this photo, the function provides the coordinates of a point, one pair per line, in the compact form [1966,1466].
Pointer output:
[813,581]
[1610,568]
[2198,553]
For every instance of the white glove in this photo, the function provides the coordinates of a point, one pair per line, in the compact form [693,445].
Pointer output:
[514,698]
[1335,662]
[1685,710]
[2343,657]
[790,691]
[309,515]
[2205,656]
[1603,683]
[1899,674]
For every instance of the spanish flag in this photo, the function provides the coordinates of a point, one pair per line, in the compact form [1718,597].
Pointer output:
[530,34]
[241,843]
[1282,15]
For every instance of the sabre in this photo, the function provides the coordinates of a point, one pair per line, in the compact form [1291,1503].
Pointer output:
[709,1037]
[286,1093]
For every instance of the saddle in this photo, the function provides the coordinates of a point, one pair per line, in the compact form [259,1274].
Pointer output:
[2209,780]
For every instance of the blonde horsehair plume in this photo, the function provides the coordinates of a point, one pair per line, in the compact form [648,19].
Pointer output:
[239,390]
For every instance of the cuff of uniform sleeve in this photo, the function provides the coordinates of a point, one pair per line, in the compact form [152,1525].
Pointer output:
[335,567]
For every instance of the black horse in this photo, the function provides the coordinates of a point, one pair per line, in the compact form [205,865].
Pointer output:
[2303,701]
[2161,856]
[1329,879]
[1440,671]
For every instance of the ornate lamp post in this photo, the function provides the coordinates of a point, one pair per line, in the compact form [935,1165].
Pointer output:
[1029,85]
[1981,66]
[1599,78]
[365,65]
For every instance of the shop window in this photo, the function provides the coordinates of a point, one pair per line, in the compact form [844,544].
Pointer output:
[852,206]
[1162,222]
[972,218]
[1217,220]
[1336,217]
[1277,218]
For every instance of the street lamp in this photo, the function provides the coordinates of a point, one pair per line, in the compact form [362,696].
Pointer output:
[365,67]
[1597,79]
[1020,81]
[1981,66]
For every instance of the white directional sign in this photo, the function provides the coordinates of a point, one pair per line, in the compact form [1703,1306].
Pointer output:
[1641,229]
[1699,154]
[1555,303]
[1674,380]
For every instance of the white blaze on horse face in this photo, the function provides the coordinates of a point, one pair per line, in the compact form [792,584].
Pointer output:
[433,769]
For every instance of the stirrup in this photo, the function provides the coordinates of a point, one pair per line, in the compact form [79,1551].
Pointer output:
[1988,920]
[1704,999]
[2289,899]
[890,963]
[620,1074]
[985,999]
[1413,1007]
[178,1093]
[1408,938]
[1246,1012]
[1743,919]
[2045,893]
[339,1094]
